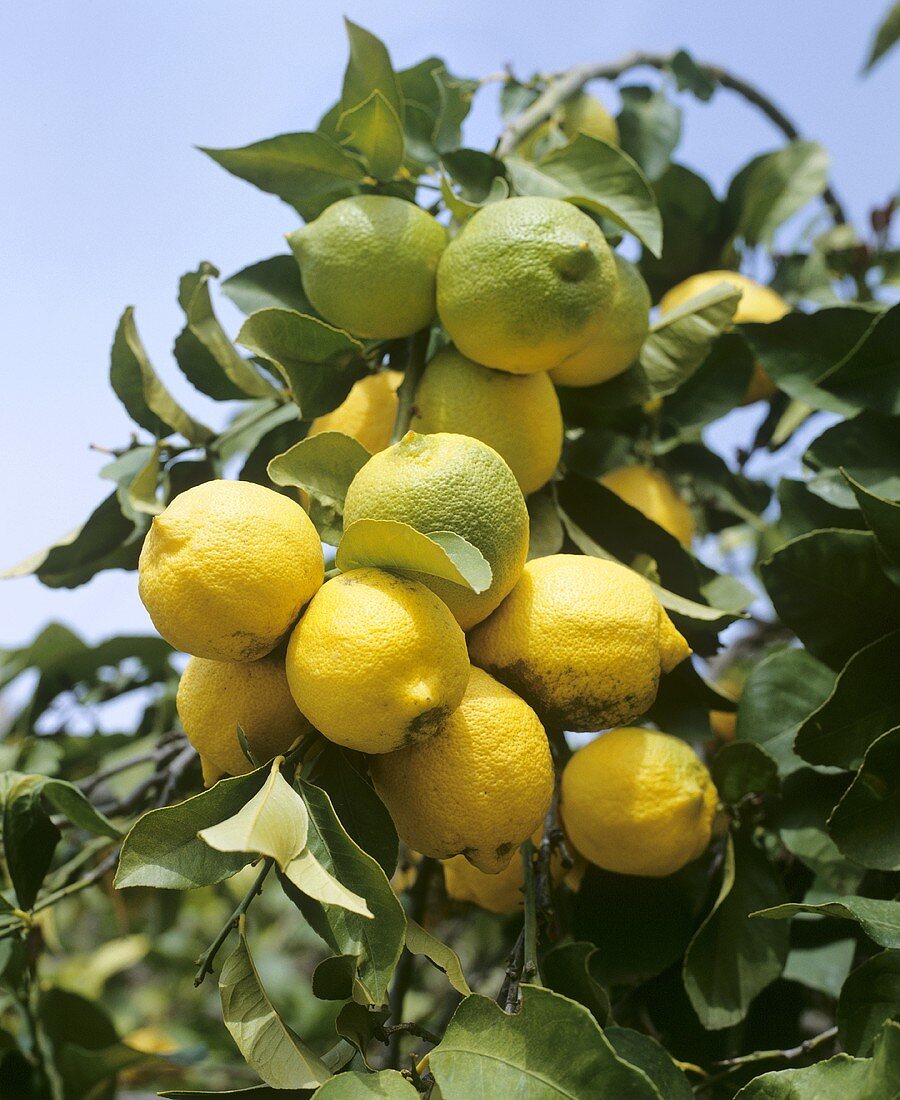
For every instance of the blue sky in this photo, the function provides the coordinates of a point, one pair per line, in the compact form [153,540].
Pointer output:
[104,201]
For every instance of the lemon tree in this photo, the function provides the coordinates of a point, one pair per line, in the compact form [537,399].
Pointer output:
[515,709]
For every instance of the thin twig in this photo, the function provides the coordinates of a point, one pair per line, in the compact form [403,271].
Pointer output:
[416,350]
[411,1029]
[731,1065]
[206,960]
[418,898]
[508,997]
[530,969]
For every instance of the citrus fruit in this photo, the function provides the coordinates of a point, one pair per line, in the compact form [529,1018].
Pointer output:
[368,265]
[582,114]
[517,415]
[758,303]
[651,493]
[723,724]
[500,893]
[638,802]
[618,342]
[226,569]
[526,283]
[367,413]
[215,697]
[377,661]
[582,639]
[479,788]
[448,482]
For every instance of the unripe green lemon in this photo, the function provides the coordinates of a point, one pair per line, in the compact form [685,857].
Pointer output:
[616,345]
[368,265]
[525,284]
[517,415]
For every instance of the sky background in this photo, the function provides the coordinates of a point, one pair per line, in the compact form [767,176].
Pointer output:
[104,202]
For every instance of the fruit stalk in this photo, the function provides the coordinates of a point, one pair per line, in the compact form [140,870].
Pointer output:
[414,367]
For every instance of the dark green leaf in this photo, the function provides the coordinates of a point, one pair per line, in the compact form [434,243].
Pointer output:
[715,388]
[880,920]
[867,448]
[649,128]
[485,1053]
[774,186]
[870,997]
[29,836]
[883,518]
[67,799]
[320,363]
[254,1092]
[436,104]
[865,824]
[691,77]
[869,377]
[821,966]
[829,588]
[803,511]
[647,1054]
[272,283]
[741,769]
[566,969]
[333,978]
[886,36]
[808,799]
[601,178]
[729,960]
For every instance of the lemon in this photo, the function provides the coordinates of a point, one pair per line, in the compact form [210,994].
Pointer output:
[723,724]
[367,413]
[478,788]
[517,415]
[617,344]
[582,114]
[377,661]
[526,283]
[226,569]
[215,697]
[758,304]
[500,893]
[368,265]
[448,482]
[651,493]
[638,802]
[582,639]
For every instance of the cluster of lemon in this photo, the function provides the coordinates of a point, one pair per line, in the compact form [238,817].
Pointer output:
[448,690]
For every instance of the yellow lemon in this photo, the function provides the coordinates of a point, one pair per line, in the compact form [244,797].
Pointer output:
[582,114]
[447,482]
[215,697]
[618,342]
[584,640]
[377,661]
[501,893]
[367,413]
[368,265]
[638,802]
[517,415]
[480,787]
[526,283]
[758,304]
[723,724]
[651,492]
[226,569]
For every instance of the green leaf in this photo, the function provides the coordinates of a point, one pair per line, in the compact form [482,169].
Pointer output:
[140,390]
[307,170]
[741,769]
[323,465]
[882,516]
[486,1053]
[390,544]
[267,1044]
[545,529]
[140,494]
[421,942]
[731,958]
[886,36]
[691,77]
[163,849]
[566,969]
[865,824]
[868,376]
[373,128]
[319,362]
[779,695]
[869,998]
[822,967]
[598,176]
[717,386]
[838,1078]
[867,448]
[649,128]
[369,69]
[774,186]
[67,799]
[29,836]
[863,704]
[377,943]
[436,105]
[808,799]
[480,179]
[254,1092]
[311,878]
[647,1054]
[386,1084]
[803,511]
[207,358]
[880,920]
[272,283]
[828,587]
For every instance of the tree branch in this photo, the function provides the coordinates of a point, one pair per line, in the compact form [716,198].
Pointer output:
[418,898]
[414,366]
[206,960]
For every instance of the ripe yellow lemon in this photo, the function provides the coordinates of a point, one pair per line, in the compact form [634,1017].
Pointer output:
[215,697]
[447,482]
[638,802]
[226,569]
[517,415]
[583,640]
[526,283]
[368,265]
[582,114]
[377,661]
[501,893]
[618,342]
[723,724]
[479,787]
[367,413]
[651,492]
[758,303]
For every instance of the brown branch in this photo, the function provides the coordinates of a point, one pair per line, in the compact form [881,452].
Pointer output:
[731,1065]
